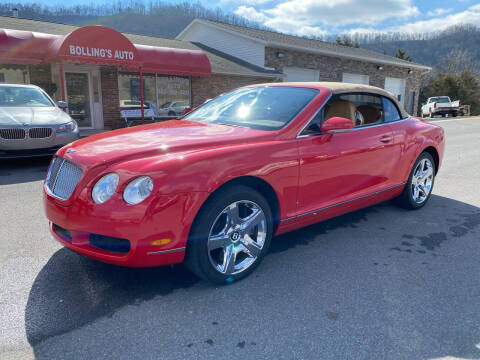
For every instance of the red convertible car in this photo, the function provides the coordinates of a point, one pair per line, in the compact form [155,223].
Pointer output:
[212,188]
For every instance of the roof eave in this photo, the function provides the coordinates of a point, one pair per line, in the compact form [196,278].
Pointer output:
[347,56]
[218,27]
[267,76]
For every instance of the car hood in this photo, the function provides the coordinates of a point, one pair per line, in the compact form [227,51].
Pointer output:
[155,139]
[28,116]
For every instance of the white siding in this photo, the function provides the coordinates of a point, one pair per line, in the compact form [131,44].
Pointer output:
[299,74]
[397,87]
[355,78]
[238,46]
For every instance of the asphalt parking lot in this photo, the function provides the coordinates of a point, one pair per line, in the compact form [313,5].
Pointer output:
[380,283]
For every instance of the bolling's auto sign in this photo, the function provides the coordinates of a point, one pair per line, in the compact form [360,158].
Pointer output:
[77,50]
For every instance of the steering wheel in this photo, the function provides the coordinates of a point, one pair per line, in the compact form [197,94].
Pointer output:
[359,118]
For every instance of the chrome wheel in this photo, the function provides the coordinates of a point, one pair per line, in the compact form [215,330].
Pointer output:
[422,180]
[237,237]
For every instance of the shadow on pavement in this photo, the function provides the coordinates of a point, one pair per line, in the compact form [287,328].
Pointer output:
[72,291]
[17,171]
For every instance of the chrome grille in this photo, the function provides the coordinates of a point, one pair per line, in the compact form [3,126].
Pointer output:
[12,134]
[62,178]
[40,133]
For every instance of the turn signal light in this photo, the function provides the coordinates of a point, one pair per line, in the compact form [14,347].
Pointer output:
[161,242]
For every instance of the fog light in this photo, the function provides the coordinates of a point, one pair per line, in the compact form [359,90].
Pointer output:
[161,242]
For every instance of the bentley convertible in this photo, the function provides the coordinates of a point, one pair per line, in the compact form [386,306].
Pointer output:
[215,186]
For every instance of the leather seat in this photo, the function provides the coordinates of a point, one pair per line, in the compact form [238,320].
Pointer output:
[371,114]
[341,108]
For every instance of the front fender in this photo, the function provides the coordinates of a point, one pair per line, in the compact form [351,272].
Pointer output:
[276,162]
[434,136]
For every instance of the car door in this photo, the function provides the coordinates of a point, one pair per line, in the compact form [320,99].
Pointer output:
[345,166]
[402,147]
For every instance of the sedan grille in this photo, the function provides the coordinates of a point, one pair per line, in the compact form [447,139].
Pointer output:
[12,134]
[40,133]
[62,178]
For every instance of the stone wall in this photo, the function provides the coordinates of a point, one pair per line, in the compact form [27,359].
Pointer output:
[204,88]
[332,68]
[110,98]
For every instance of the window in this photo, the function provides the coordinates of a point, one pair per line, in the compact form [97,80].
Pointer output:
[166,95]
[263,108]
[173,95]
[440,99]
[390,111]
[361,108]
[17,96]
[13,74]
[129,89]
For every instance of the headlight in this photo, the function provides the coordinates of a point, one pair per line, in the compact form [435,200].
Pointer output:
[105,188]
[70,126]
[138,190]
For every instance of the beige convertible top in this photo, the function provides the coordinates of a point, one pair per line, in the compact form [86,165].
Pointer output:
[341,88]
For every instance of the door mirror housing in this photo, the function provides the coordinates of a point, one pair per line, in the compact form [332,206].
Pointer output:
[62,104]
[336,124]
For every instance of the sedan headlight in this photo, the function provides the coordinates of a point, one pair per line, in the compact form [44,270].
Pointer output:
[105,188]
[70,126]
[138,190]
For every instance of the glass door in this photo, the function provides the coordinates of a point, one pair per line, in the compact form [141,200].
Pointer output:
[79,98]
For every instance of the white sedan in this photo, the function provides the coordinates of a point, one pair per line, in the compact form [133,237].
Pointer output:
[31,124]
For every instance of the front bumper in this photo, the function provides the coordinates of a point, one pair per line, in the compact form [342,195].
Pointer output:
[161,217]
[29,147]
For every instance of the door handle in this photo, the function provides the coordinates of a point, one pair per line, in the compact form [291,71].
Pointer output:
[386,139]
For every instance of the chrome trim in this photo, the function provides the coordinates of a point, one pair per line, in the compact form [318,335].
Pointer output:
[51,188]
[313,116]
[11,131]
[314,212]
[339,131]
[375,125]
[166,251]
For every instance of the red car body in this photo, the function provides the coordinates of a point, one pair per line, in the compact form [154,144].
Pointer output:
[309,178]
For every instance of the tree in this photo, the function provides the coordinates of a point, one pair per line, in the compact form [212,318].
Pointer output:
[458,61]
[345,40]
[401,54]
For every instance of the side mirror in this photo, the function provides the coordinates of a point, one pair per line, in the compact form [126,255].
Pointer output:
[62,104]
[336,124]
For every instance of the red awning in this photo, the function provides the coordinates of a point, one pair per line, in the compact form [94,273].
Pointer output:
[173,61]
[95,45]
[99,45]
[23,47]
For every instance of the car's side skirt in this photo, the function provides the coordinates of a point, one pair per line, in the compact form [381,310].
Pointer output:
[298,221]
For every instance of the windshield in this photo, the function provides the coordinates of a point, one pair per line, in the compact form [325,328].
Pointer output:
[262,108]
[440,99]
[17,96]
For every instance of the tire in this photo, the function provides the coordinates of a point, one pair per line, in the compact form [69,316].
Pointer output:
[412,197]
[454,114]
[432,115]
[213,237]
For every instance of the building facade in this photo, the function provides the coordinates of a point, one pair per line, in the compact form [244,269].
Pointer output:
[98,71]
[301,59]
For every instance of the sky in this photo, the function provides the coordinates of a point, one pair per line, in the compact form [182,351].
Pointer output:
[326,17]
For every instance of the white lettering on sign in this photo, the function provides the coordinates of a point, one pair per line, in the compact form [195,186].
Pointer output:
[101,52]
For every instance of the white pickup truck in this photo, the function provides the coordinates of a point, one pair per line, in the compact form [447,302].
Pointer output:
[440,105]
